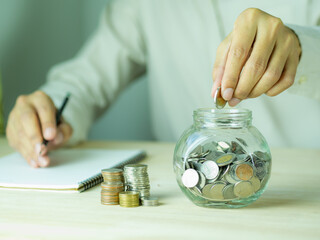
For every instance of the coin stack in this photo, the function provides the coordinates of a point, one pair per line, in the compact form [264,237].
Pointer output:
[222,171]
[137,179]
[129,199]
[150,201]
[112,186]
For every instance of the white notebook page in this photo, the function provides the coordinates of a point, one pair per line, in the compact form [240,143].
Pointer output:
[68,168]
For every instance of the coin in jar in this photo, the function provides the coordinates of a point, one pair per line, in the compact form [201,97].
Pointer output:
[255,181]
[228,192]
[225,159]
[210,169]
[190,178]
[202,180]
[223,146]
[216,191]
[243,189]
[244,171]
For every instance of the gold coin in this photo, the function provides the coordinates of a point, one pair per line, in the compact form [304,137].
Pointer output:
[244,171]
[225,159]
[243,189]
[255,181]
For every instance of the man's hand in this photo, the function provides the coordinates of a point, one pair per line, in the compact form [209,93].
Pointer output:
[31,120]
[260,55]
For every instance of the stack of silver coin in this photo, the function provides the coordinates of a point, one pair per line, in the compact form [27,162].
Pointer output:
[137,179]
[111,187]
[223,171]
[150,201]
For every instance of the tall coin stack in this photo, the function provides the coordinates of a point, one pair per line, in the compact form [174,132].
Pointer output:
[137,179]
[112,186]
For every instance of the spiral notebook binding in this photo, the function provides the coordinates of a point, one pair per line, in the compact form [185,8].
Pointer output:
[98,178]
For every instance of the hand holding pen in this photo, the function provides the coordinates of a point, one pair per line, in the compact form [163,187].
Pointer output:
[33,121]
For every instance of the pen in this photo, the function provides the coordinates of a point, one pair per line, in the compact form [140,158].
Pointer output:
[58,115]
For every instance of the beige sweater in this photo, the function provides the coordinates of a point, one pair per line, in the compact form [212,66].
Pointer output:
[174,43]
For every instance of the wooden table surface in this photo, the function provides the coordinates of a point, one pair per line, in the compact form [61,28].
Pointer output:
[289,208]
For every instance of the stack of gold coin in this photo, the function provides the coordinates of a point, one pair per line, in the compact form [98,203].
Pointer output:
[129,199]
[112,186]
[111,175]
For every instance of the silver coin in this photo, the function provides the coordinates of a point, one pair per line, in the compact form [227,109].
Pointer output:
[186,165]
[223,146]
[196,191]
[242,141]
[261,169]
[202,180]
[196,166]
[224,171]
[218,100]
[210,169]
[150,201]
[243,189]
[204,154]
[228,192]
[190,178]
[213,155]
[196,152]
[137,179]
[262,155]
[230,179]
[241,158]
[237,148]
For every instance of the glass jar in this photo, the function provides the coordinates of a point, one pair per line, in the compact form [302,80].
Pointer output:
[222,160]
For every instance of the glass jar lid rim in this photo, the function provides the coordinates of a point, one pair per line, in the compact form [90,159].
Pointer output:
[224,111]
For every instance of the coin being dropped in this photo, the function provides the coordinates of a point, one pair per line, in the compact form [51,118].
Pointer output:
[218,100]
[210,169]
[190,178]
[243,189]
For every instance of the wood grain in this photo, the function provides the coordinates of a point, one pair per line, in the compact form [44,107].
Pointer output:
[289,209]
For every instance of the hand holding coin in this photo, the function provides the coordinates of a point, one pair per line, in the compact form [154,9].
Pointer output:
[260,56]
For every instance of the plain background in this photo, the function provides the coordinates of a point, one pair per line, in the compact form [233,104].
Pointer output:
[37,34]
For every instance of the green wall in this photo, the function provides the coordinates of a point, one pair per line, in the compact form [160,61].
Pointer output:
[36,34]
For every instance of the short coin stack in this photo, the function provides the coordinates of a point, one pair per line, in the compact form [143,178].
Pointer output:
[129,199]
[150,201]
[224,171]
[112,186]
[137,179]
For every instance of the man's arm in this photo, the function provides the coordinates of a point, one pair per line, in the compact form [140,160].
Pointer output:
[113,57]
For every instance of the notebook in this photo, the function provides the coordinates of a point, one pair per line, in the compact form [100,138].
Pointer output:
[69,170]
